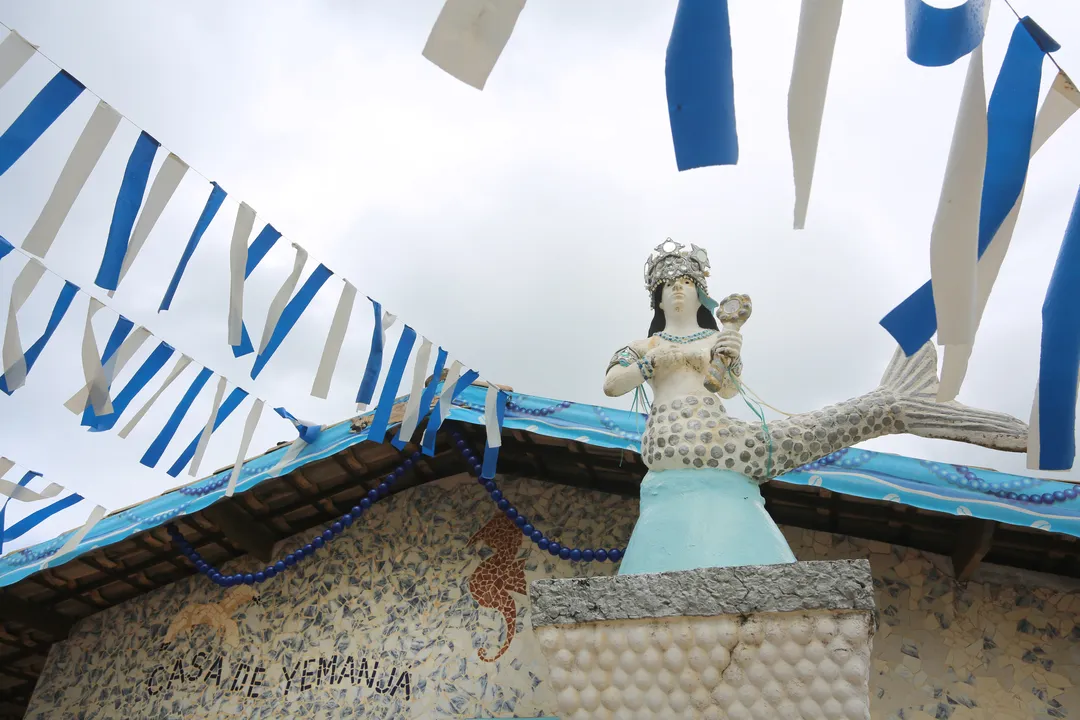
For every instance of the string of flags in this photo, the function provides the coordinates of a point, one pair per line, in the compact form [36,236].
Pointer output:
[984,179]
[135,214]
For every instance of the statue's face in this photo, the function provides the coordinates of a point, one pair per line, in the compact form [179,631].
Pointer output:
[679,296]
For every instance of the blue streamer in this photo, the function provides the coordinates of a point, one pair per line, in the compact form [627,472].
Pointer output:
[436,415]
[128,202]
[213,204]
[224,411]
[153,453]
[5,247]
[30,475]
[34,519]
[374,361]
[292,312]
[1010,124]
[377,430]
[42,112]
[425,399]
[700,85]
[491,455]
[941,36]
[1059,359]
[308,433]
[60,308]
[256,252]
[146,372]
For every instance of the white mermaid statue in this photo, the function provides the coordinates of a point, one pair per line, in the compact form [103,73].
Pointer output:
[700,501]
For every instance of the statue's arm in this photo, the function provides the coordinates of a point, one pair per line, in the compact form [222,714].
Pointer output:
[627,370]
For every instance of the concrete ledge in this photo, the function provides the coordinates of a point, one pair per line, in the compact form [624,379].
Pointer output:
[831,585]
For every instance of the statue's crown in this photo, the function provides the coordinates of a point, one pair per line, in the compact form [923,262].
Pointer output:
[670,260]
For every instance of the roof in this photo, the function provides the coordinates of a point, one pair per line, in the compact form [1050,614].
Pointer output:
[935,507]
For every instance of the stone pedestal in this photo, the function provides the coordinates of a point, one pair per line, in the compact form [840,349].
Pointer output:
[760,642]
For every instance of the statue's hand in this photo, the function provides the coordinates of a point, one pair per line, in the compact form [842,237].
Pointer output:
[728,345]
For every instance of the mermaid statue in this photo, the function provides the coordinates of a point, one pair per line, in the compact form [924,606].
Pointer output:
[700,500]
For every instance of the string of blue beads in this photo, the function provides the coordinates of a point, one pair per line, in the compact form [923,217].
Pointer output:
[513,407]
[965,478]
[295,557]
[527,529]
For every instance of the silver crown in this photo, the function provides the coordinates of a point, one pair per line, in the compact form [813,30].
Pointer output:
[670,260]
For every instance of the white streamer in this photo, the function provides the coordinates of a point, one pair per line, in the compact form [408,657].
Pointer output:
[954,239]
[80,163]
[94,372]
[204,439]
[180,366]
[1060,104]
[819,22]
[334,340]
[469,36]
[73,542]
[166,181]
[5,465]
[412,408]
[491,416]
[249,431]
[14,52]
[25,494]
[238,254]
[277,305]
[112,368]
[13,356]
[446,396]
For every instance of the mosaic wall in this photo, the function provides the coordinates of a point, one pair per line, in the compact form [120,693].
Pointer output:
[418,612]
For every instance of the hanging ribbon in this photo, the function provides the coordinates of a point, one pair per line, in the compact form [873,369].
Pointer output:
[24,494]
[149,369]
[166,181]
[26,478]
[5,247]
[941,36]
[292,312]
[1009,146]
[238,252]
[451,389]
[213,203]
[426,399]
[42,112]
[281,298]
[181,365]
[204,438]
[700,86]
[60,308]
[469,36]
[309,431]
[81,162]
[377,430]
[819,22]
[412,407]
[15,364]
[233,401]
[77,537]
[14,52]
[320,388]
[383,321]
[1052,430]
[265,240]
[153,453]
[34,519]
[241,454]
[119,349]
[494,415]
[128,201]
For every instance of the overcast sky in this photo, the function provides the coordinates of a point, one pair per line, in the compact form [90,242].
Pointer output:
[509,225]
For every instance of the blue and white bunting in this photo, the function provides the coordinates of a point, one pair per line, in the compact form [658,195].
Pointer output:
[288,317]
[494,416]
[263,242]
[213,204]
[149,368]
[39,115]
[6,465]
[941,36]
[181,364]
[377,429]
[120,348]
[166,181]
[700,86]
[245,442]
[236,396]
[416,391]
[383,321]
[335,338]
[469,36]
[60,308]
[1052,429]
[238,255]
[5,247]
[153,453]
[426,399]
[128,201]
[14,52]
[81,162]
[14,359]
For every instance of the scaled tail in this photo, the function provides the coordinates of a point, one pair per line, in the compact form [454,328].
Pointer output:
[914,382]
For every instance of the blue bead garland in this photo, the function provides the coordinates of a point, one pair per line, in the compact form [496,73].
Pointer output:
[527,529]
[380,491]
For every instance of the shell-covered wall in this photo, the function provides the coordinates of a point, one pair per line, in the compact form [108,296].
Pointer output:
[403,617]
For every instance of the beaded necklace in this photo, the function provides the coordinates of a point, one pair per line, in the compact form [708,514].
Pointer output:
[683,339]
